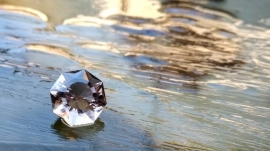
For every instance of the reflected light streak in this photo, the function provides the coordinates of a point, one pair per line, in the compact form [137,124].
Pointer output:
[25,11]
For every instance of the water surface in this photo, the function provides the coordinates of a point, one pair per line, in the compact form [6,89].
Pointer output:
[178,75]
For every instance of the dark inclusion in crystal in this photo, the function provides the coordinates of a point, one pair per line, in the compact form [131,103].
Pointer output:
[76,94]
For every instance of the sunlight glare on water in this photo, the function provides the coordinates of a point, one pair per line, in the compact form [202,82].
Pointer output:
[178,75]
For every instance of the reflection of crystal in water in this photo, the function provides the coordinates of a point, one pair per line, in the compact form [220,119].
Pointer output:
[77,133]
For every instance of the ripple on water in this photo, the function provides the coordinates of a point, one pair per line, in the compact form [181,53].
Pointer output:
[261,58]
[180,76]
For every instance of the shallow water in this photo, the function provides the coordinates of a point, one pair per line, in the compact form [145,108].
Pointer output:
[178,75]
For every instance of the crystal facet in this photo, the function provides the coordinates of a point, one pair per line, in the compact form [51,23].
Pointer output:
[78,97]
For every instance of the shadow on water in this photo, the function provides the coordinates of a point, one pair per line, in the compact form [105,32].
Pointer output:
[178,74]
